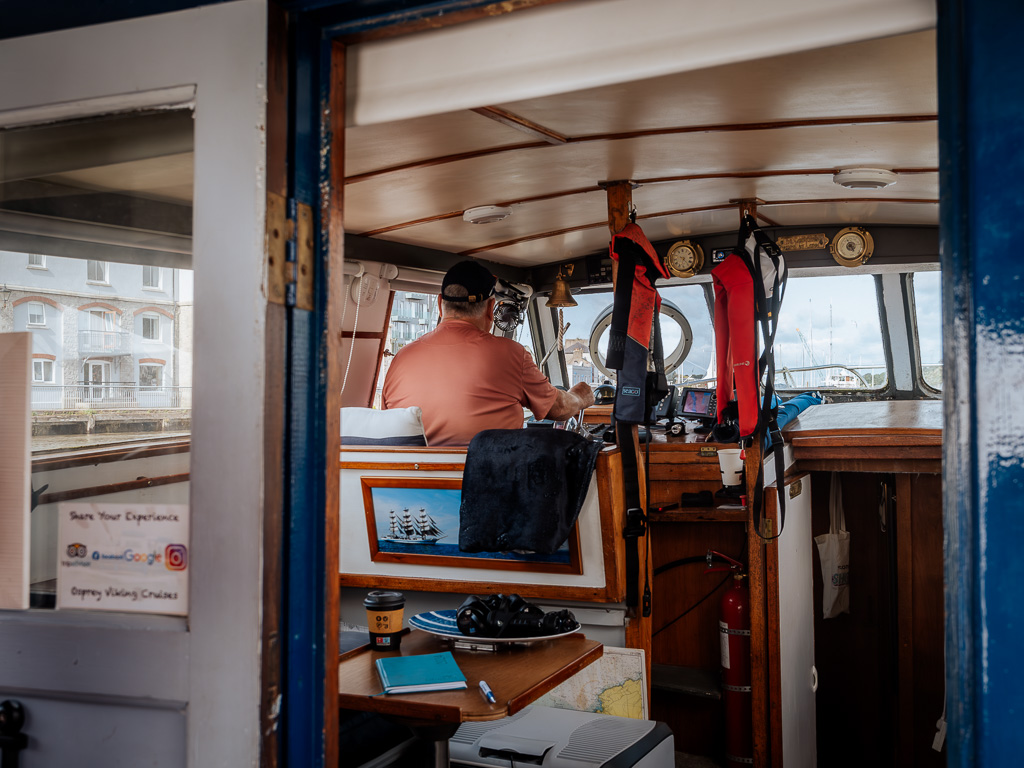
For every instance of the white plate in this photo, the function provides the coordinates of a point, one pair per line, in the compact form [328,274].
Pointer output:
[443,623]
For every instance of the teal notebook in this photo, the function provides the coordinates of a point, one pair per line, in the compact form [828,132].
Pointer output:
[412,674]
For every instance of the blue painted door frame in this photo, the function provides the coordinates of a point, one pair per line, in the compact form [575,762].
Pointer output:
[312,26]
[981,157]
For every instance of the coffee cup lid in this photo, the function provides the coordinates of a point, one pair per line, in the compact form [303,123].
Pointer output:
[381,600]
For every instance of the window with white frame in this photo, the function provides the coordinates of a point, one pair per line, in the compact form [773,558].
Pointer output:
[36,313]
[98,271]
[42,371]
[37,261]
[151,327]
[151,277]
[151,376]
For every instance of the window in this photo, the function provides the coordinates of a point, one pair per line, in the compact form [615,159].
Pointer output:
[151,277]
[97,271]
[686,330]
[42,371]
[150,376]
[830,335]
[926,288]
[151,327]
[412,315]
[36,313]
[36,261]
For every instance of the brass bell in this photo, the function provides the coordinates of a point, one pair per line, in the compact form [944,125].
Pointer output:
[561,296]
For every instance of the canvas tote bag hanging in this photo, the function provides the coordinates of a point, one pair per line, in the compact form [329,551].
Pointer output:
[834,551]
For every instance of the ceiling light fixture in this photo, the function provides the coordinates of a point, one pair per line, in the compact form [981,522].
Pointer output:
[864,178]
[486,214]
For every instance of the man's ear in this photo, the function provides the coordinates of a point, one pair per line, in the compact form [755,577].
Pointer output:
[440,307]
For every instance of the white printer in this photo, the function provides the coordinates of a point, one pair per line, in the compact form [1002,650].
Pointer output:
[562,738]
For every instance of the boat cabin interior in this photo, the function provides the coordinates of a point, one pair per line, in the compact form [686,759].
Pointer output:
[211,254]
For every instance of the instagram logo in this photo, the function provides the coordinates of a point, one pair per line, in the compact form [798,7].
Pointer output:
[176,557]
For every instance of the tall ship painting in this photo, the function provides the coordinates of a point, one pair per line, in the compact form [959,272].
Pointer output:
[406,529]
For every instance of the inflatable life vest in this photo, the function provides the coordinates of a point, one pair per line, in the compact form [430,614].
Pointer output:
[634,314]
[749,286]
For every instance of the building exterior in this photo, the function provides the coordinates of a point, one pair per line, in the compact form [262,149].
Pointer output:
[412,315]
[104,334]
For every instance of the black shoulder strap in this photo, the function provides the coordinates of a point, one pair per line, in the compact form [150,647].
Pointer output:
[766,311]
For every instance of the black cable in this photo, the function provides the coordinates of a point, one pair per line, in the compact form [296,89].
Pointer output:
[683,561]
[694,606]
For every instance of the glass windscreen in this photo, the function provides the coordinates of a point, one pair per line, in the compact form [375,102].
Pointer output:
[830,335]
[927,292]
[95,267]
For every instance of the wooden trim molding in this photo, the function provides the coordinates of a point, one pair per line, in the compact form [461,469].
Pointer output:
[104,490]
[43,356]
[770,173]
[701,209]
[156,360]
[668,131]
[331,260]
[536,130]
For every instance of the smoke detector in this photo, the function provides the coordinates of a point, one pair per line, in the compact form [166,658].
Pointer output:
[486,214]
[864,178]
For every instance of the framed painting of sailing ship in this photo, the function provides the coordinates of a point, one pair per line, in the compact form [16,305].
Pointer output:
[415,520]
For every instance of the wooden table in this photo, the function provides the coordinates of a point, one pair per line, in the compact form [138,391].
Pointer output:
[518,674]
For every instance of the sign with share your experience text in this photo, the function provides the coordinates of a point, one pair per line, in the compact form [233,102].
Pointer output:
[123,557]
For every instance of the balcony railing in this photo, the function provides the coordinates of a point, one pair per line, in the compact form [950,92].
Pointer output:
[113,396]
[104,342]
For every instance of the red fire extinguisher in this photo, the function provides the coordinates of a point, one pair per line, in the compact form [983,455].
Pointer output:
[734,634]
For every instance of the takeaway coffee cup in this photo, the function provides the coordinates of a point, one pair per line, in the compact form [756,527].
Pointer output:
[384,615]
[731,464]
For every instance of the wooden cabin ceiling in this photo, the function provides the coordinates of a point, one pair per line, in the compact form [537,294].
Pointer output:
[774,129]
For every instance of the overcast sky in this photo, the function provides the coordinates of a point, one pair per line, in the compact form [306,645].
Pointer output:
[837,316]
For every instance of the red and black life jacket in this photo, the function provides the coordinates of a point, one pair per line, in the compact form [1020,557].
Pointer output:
[635,313]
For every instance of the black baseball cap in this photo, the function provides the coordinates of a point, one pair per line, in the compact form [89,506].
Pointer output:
[471,275]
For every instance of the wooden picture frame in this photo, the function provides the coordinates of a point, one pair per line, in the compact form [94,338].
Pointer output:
[599,532]
[407,519]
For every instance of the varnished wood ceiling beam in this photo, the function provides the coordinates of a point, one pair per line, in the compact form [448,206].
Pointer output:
[700,209]
[639,182]
[521,124]
[722,128]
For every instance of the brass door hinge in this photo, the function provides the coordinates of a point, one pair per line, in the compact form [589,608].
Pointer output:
[289,245]
[304,267]
[276,237]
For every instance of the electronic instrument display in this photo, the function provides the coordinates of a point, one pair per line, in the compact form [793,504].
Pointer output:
[695,403]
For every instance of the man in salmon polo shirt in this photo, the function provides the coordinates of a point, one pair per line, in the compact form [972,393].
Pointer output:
[464,379]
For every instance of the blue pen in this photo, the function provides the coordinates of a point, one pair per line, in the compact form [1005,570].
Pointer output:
[488,693]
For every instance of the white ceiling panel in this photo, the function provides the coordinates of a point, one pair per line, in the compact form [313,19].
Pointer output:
[650,132]
[892,76]
[392,144]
